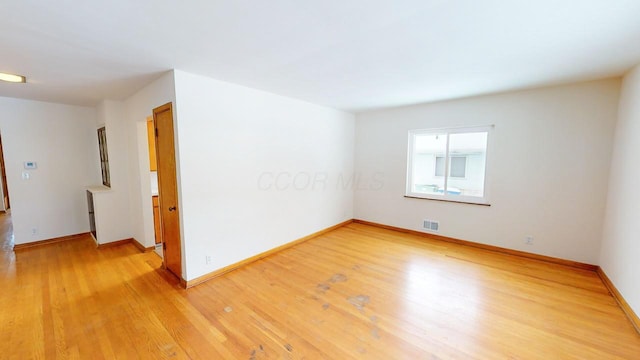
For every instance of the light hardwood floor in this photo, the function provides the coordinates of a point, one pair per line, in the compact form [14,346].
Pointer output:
[356,292]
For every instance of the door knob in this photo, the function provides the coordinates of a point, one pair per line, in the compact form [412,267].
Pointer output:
[173,208]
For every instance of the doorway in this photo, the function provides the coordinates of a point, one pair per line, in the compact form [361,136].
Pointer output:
[168,188]
[3,180]
[6,237]
[153,176]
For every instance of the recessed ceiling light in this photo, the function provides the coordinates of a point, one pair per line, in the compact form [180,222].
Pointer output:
[12,78]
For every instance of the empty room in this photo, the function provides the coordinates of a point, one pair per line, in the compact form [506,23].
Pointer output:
[320,179]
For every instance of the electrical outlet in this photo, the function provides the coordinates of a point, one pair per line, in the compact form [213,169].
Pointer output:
[207,259]
[528,240]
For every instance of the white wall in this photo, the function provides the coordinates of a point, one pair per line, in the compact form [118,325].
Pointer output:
[239,151]
[112,209]
[137,108]
[548,166]
[62,140]
[620,252]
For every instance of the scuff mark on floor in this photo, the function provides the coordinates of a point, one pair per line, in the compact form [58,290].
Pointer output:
[322,287]
[338,278]
[359,301]
[325,306]
[254,353]
[168,349]
[228,309]
[375,332]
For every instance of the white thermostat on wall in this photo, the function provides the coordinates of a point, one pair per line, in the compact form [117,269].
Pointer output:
[30,165]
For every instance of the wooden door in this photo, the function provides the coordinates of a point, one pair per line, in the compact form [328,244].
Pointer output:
[157,229]
[3,175]
[168,188]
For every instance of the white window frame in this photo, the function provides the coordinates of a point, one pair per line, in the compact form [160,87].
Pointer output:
[445,196]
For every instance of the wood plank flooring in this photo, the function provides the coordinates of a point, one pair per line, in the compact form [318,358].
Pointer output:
[358,292]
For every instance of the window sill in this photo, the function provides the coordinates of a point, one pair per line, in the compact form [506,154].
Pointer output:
[446,200]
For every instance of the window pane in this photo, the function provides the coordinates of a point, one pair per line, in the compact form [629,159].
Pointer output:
[439,165]
[467,158]
[458,166]
[427,148]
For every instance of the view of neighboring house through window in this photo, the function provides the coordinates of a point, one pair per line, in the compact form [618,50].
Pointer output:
[448,164]
[457,169]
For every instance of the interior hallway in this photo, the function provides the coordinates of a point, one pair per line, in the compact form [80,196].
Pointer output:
[356,292]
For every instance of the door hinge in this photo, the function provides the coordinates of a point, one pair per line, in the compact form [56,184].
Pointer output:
[156,130]
[164,245]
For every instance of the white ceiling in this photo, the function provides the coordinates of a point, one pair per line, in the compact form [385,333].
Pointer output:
[353,55]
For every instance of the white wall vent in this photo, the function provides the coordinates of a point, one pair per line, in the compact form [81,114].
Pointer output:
[431,225]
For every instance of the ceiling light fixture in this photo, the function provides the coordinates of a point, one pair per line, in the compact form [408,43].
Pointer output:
[12,78]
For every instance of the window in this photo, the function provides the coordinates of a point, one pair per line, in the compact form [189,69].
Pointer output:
[104,156]
[460,153]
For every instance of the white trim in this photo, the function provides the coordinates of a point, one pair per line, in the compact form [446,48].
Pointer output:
[454,130]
